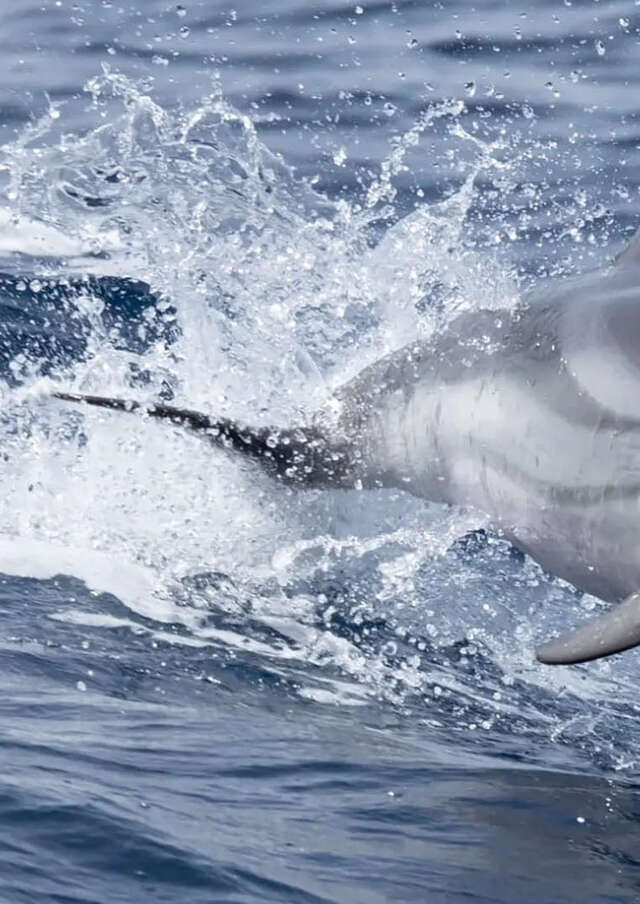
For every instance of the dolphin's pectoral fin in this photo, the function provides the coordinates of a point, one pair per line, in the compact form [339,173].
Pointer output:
[630,256]
[613,632]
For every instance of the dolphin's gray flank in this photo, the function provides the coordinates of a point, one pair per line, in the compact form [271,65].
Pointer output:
[531,416]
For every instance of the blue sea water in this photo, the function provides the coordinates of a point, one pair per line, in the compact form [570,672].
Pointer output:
[216,689]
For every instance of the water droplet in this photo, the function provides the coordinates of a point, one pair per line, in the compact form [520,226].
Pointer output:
[339,157]
[389,109]
[35,285]
[574,75]
[600,48]
[624,22]
[351,39]
[412,43]
[458,34]
[580,819]
[158,60]
[518,34]
[81,685]
[359,10]
[527,111]
[470,89]
[54,113]
[185,31]
[181,11]
[111,51]
[549,86]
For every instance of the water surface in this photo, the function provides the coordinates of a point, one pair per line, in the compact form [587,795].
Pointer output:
[216,689]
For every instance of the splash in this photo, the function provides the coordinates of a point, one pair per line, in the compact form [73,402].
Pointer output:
[272,295]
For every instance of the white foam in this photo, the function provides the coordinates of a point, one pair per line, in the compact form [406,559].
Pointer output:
[102,573]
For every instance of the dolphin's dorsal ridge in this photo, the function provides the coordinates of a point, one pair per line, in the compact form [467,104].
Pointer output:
[630,256]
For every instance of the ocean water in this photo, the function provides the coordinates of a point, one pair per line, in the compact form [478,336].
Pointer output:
[216,688]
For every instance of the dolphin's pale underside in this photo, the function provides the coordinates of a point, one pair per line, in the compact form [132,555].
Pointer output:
[531,416]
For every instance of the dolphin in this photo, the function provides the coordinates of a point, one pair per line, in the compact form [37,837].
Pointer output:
[531,416]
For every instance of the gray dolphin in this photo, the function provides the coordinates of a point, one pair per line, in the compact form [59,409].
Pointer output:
[531,416]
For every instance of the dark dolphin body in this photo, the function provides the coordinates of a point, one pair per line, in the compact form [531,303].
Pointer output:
[530,416]
[48,321]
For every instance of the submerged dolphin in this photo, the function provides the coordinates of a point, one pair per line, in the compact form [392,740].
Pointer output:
[531,416]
